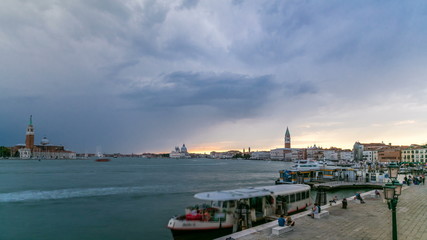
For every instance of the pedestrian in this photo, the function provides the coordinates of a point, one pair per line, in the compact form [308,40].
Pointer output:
[289,221]
[344,203]
[423,179]
[359,197]
[314,210]
[377,193]
[334,200]
[281,221]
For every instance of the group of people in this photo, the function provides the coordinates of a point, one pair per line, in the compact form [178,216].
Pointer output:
[335,199]
[285,221]
[416,180]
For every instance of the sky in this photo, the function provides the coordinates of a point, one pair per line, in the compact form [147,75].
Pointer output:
[137,76]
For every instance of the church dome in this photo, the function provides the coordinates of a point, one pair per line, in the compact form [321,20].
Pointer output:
[45,141]
[183,148]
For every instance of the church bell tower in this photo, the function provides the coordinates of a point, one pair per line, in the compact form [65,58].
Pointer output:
[287,139]
[29,136]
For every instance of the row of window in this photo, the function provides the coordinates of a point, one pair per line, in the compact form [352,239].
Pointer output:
[412,156]
[416,151]
[294,197]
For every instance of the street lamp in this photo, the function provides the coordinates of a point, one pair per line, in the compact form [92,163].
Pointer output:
[392,192]
[393,170]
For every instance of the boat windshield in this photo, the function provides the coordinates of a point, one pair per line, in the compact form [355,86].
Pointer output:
[217,204]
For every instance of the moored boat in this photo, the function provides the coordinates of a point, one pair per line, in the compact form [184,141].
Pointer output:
[233,210]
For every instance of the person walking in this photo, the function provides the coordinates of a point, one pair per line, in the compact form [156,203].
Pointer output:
[359,197]
[344,203]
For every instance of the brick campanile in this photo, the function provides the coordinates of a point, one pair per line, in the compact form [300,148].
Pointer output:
[29,136]
[287,139]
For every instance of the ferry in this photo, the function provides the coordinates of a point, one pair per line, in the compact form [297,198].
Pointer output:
[233,210]
[307,174]
[304,165]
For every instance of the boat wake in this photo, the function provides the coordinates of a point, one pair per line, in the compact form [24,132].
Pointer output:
[34,195]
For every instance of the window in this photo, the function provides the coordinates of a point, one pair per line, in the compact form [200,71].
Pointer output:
[307,194]
[298,196]
[303,195]
[292,198]
[232,204]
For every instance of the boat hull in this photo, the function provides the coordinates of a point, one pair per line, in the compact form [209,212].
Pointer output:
[184,228]
[200,234]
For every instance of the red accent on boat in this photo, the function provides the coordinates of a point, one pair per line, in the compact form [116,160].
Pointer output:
[191,217]
[102,160]
[201,228]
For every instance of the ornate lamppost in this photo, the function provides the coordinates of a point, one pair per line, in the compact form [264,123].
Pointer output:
[392,191]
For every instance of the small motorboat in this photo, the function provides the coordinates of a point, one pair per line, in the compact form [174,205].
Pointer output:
[102,160]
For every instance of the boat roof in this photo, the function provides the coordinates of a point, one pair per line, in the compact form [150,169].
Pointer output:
[250,192]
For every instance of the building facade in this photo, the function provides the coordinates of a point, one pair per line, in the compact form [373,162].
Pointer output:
[414,153]
[44,150]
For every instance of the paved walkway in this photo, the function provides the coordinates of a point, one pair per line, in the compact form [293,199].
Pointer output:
[371,220]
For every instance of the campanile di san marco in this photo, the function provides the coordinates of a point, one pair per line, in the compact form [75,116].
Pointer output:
[287,139]
[29,136]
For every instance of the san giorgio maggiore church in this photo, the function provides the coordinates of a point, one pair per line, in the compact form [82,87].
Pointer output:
[44,150]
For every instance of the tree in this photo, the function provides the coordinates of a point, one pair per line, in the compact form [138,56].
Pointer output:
[4,151]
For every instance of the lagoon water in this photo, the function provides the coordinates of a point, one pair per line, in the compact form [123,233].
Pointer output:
[126,198]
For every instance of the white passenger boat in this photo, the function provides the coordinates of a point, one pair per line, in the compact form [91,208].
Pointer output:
[304,165]
[237,209]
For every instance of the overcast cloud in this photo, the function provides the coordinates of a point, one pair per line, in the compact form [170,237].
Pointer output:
[145,76]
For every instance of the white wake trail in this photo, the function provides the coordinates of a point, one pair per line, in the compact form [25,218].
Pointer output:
[35,195]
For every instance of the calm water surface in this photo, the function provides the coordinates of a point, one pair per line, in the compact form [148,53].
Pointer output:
[122,199]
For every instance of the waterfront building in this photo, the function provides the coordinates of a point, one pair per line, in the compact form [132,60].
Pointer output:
[345,155]
[414,153]
[377,152]
[298,153]
[224,155]
[392,154]
[44,150]
[370,156]
[180,153]
[260,155]
[330,154]
[315,153]
[278,154]
[359,148]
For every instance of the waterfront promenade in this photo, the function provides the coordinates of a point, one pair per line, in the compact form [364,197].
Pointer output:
[371,220]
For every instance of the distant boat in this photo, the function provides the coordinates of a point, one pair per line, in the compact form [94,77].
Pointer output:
[102,160]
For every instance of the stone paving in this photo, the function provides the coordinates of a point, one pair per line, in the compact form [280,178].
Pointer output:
[371,220]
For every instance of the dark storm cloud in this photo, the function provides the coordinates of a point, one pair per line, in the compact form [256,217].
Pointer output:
[227,93]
